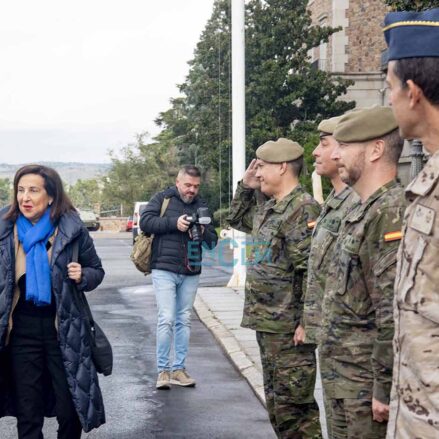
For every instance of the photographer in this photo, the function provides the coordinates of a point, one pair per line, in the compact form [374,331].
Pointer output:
[179,235]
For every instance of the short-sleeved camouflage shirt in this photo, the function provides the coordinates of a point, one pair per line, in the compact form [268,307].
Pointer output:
[276,273]
[358,326]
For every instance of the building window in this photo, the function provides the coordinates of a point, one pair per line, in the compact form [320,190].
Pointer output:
[323,48]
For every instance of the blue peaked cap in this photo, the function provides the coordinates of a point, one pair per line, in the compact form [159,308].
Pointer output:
[412,34]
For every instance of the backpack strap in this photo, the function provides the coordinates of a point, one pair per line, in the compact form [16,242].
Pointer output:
[165,205]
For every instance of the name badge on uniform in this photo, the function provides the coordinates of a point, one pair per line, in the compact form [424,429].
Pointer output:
[423,219]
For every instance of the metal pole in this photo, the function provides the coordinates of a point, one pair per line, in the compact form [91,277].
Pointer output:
[417,156]
[238,129]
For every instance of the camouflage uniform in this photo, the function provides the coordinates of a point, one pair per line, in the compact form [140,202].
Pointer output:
[414,408]
[321,256]
[324,236]
[273,303]
[355,345]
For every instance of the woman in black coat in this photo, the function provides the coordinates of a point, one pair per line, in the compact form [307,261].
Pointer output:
[46,367]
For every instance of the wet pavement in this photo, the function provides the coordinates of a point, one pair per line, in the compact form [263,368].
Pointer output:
[222,405]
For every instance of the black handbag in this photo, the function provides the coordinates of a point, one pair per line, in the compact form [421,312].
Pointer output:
[101,351]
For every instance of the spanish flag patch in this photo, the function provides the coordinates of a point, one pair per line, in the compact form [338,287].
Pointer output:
[311,224]
[392,236]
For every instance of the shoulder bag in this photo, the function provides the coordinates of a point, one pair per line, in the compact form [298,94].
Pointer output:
[101,351]
[142,248]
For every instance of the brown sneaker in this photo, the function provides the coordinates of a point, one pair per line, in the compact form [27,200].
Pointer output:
[181,378]
[163,380]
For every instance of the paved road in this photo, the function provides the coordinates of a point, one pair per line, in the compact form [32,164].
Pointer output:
[221,406]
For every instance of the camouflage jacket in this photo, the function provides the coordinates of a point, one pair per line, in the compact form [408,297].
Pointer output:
[277,269]
[414,406]
[357,330]
[321,255]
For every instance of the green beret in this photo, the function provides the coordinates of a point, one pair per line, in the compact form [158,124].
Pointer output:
[365,124]
[281,150]
[327,126]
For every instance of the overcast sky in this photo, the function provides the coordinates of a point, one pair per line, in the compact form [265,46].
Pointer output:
[80,77]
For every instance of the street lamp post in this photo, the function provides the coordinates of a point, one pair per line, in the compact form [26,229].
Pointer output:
[238,129]
[417,156]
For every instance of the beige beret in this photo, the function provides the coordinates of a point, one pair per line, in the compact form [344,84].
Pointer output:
[281,150]
[365,124]
[328,125]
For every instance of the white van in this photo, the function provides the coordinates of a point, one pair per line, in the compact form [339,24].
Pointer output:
[138,208]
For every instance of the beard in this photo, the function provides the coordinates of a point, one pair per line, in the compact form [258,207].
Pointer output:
[187,199]
[351,175]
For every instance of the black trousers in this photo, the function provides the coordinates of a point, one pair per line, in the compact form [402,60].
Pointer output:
[35,352]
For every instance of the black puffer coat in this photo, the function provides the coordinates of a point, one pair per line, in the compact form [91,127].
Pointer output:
[75,349]
[172,250]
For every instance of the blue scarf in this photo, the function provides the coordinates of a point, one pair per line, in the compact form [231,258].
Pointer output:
[34,238]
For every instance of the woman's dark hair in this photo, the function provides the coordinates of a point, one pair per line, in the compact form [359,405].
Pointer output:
[52,183]
[423,72]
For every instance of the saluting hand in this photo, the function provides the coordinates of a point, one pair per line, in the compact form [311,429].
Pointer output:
[249,179]
[74,271]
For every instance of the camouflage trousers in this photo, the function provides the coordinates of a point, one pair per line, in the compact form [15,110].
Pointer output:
[289,380]
[352,419]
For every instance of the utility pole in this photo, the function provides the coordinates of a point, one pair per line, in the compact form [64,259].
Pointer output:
[238,130]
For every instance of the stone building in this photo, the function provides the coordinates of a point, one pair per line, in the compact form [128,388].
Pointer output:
[355,51]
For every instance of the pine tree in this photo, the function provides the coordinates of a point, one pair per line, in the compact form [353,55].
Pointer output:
[285,95]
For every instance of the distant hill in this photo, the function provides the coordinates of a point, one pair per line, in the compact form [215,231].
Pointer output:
[70,171]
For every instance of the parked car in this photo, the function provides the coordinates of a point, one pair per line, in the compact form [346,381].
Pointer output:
[129,224]
[138,209]
[90,219]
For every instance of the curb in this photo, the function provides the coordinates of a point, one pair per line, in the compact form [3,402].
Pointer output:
[231,347]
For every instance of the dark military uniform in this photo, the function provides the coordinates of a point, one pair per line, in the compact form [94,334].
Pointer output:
[273,306]
[321,256]
[356,339]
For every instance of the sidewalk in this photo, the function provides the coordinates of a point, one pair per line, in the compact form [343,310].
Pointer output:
[220,309]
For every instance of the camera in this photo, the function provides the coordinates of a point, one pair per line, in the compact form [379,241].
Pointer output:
[196,220]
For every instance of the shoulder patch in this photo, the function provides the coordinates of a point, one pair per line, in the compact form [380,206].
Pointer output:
[393,236]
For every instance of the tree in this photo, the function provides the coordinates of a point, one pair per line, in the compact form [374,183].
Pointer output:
[5,191]
[143,169]
[285,95]
[85,194]
[198,125]
[412,5]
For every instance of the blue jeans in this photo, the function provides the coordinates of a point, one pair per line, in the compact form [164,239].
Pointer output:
[175,295]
